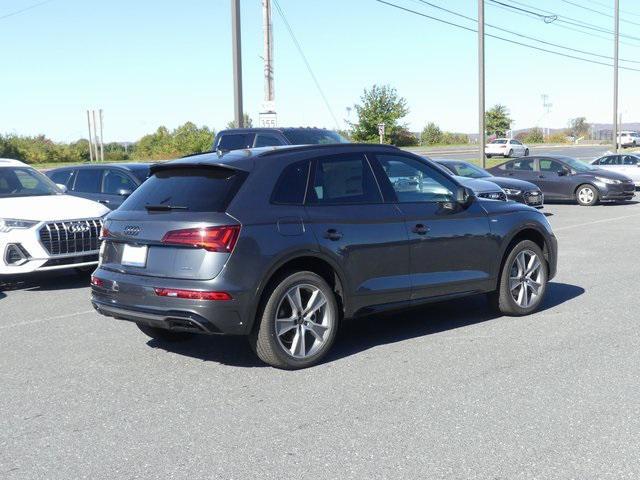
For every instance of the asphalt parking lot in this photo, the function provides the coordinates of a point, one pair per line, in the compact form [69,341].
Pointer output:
[447,391]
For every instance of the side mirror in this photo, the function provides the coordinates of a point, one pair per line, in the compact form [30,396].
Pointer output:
[124,192]
[465,196]
[63,188]
[563,172]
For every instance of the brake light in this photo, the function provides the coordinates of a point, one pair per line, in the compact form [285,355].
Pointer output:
[192,294]
[97,282]
[104,232]
[213,239]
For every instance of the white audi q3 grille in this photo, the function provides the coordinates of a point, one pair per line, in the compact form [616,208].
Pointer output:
[71,237]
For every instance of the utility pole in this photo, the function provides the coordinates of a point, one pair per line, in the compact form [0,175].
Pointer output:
[237,62]
[95,135]
[90,139]
[101,141]
[615,74]
[546,109]
[268,116]
[481,127]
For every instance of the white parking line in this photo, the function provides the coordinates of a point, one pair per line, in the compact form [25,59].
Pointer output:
[60,317]
[596,221]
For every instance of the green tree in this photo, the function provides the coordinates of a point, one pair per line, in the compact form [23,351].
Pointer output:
[578,127]
[534,135]
[431,134]
[248,123]
[165,144]
[497,120]
[380,104]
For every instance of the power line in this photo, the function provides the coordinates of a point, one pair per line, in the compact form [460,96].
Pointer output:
[515,42]
[30,7]
[520,34]
[597,11]
[546,18]
[626,12]
[306,62]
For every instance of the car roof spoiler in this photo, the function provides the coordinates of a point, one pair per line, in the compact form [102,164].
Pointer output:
[161,167]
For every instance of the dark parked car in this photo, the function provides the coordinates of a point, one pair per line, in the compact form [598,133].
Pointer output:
[239,138]
[109,184]
[517,190]
[565,178]
[282,244]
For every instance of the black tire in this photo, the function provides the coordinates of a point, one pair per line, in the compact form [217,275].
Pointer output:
[263,339]
[164,334]
[526,152]
[489,156]
[587,200]
[510,154]
[502,298]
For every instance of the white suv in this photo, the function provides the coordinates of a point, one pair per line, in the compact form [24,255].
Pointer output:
[41,228]
[629,139]
[506,147]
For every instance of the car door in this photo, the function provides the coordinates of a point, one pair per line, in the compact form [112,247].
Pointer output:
[87,183]
[117,185]
[355,227]
[521,168]
[554,179]
[518,148]
[451,248]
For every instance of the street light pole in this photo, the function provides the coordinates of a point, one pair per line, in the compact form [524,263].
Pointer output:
[615,74]
[237,63]
[481,108]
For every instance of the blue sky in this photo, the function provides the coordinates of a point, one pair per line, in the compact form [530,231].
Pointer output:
[149,63]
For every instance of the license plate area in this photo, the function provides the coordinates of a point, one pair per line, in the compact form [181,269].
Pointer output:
[134,256]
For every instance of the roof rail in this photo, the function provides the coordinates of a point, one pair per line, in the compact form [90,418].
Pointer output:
[298,148]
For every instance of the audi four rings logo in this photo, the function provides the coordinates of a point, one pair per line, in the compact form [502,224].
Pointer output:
[79,228]
[132,230]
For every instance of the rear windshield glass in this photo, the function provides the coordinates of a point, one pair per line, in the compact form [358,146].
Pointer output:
[233,141]
[187,189]
[313,137]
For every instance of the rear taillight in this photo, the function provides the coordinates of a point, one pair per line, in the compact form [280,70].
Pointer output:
[213,239]
[192,294]
[104,232]
[97,282]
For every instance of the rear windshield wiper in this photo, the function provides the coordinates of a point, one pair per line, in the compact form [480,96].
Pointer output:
[164,208]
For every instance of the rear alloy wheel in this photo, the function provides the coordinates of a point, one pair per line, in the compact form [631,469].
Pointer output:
[523,281]
[587,195]
[164,334]
[298,324]
[526,152]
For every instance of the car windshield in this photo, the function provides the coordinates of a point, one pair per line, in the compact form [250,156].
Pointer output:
[313,137]
[464,169]
[577,165]
[25,182]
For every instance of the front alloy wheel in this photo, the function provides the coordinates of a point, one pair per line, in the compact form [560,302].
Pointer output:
[525,279]
[587,195]
[298,323]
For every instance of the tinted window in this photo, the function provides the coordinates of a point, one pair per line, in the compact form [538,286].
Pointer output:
[116,181]
[415,181]
[344,179]
[61,178]
[292,184]
[197,189]
[464,169]
[140,172]
[547,165]
[521,164]
[88,180]
[499,142]
[313,137]
[263,140]
[233,141]
[629,160]
[516,142]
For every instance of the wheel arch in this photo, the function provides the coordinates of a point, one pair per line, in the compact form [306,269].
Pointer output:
[529,232]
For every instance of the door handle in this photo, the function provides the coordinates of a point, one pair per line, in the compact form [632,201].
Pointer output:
[420,229]
[104,202]
[332,234]
[540,176]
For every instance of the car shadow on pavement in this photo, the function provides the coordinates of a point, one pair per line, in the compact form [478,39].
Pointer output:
[46,281]
[361,334]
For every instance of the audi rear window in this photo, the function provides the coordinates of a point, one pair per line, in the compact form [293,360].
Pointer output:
[187,189]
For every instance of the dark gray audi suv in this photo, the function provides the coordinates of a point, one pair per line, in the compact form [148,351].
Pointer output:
[282,244]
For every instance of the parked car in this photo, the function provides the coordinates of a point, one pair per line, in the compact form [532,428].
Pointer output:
[626,164]
[41,228]
[282,244]
[106,183]
[565,178]
[517,190]
[506,147]
[240,138]
[628,138]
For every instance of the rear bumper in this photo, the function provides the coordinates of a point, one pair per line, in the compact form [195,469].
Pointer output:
[133,298]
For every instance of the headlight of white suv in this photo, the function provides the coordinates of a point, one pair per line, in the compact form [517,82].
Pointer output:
[8,224]
[609,181]
[512,191]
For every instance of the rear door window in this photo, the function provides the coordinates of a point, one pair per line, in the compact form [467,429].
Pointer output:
[116,181]
[190,189]
[88,180]
[61,178]
[343,179]
[629,160]
[547,165]
[521,165]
